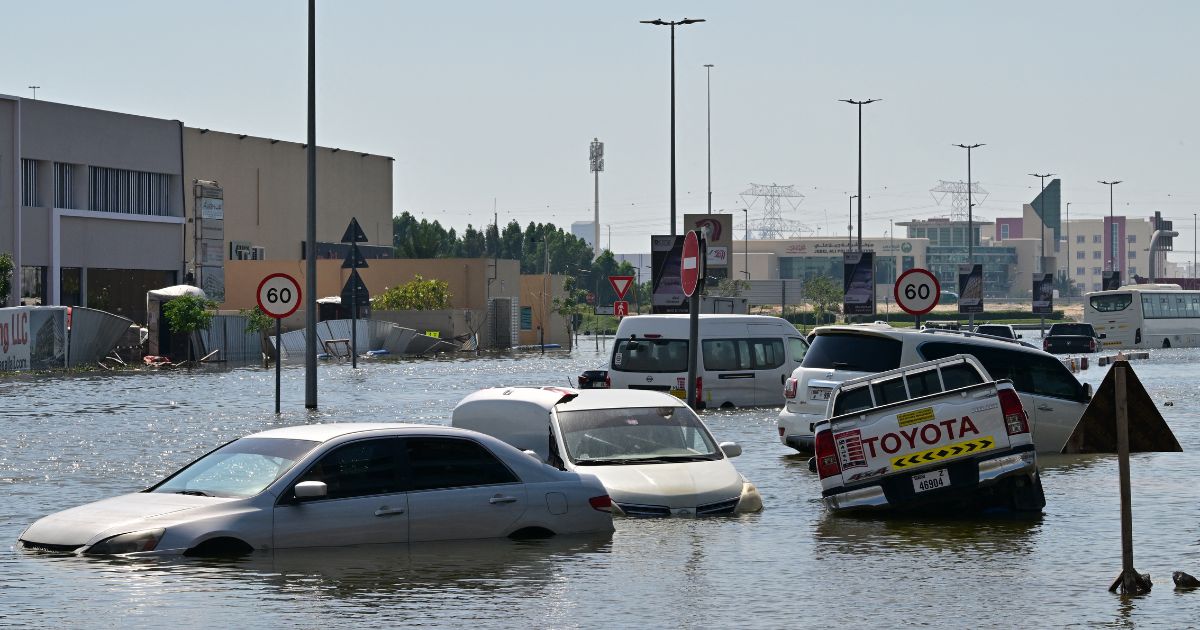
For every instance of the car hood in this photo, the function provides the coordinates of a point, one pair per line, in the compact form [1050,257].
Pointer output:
[118,515]
[681,485]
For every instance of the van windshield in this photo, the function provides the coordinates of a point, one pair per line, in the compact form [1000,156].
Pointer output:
[635,435]
[860,353]
[650,355]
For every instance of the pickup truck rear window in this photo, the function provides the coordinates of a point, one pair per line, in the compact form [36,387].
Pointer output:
[853,400]
[861,353]
[1084,330]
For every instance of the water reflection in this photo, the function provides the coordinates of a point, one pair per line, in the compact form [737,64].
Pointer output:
[984,535]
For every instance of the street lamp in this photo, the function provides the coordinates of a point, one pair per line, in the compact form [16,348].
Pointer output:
[660,22]
[859,104]
[1070,280]
[746,244]
[1113,262]
[850,225]
[708,105]
[1194,246]
[970,205]
[1042,215]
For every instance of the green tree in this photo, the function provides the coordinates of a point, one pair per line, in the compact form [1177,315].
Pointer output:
[188,314]
[417,294]
[728,287]
[570,304]
[825,295]
[6,272]
[256,319]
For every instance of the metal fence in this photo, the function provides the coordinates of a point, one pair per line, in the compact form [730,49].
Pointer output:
[228,335]
[774,292]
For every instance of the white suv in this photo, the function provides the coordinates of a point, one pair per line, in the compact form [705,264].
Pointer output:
[1054,398]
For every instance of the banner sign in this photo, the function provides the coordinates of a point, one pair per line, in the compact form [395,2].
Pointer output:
[666,254]
[717,230]
[1043,293]
[33,338]
[858,283]
[970,289]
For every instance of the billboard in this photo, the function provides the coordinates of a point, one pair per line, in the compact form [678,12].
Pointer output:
[33,338]
[970,289]
[717,230]
[1043,293]
[665,255]
[858,283]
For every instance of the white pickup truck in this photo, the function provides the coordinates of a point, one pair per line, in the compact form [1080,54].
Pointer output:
[939,434]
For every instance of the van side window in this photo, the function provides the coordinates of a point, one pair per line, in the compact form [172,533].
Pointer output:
[960,375]
[768,353]
[890,391]
[853,400]
[799,347]
[720,355]
[923,383]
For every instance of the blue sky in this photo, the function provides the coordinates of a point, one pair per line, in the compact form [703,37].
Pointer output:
[499,100]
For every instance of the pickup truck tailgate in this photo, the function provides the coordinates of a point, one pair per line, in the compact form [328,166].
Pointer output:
[919,433]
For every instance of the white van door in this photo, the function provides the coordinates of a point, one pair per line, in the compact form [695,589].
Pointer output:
[772,366]
[729,376]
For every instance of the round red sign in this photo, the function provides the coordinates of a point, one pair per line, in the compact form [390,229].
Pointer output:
[917,291]
[689,264]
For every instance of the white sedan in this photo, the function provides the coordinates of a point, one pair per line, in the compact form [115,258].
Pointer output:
[336,484]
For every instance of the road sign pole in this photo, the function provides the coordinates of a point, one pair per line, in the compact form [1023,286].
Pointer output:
[693,343]
[354,315]
[278,355]
[692,271]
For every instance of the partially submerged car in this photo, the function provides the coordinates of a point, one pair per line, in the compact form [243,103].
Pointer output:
[651,451]
[329,485]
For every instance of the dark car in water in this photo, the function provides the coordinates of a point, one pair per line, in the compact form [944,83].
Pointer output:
[1072,337]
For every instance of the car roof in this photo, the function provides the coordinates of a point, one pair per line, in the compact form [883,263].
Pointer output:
[928,334]
[566,398]
[326,432]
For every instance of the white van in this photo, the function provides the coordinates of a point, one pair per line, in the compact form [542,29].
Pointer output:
[744,359]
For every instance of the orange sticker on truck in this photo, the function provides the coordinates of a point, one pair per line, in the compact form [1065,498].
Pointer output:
[909,418]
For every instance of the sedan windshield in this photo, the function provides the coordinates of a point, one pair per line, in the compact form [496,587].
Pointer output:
[638,435]
[242,468]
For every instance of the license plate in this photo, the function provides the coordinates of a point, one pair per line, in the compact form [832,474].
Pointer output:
[931,480]
[678,393]
[818,393]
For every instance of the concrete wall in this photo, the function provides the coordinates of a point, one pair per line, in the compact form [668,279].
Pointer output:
[538,293]
[266,197]
[468,278]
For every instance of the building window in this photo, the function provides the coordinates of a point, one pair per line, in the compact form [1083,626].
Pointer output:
[71,281]
[1097,271]
[1079,238]
[1079,271]
[1003,231]
[1095,286]
[29,191]
[1097,238]
[526,318]
[1080,254]
[130,192]
[63,176]
[1133,271]
[1132,238]
[1096,255]
[1132,254]
[33,286]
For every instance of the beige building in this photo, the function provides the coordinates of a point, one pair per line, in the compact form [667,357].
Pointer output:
[538,293]
[1087,250]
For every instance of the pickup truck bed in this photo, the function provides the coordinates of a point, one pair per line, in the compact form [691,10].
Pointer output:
[937,434]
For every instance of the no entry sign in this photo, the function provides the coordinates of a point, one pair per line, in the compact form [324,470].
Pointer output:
[917,291]
[689,264]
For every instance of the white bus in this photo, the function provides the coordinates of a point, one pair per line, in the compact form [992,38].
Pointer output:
[1145,316]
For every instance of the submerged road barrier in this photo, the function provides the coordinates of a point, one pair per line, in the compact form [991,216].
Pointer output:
[1122,356]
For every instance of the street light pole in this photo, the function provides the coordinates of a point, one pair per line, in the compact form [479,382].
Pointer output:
[746,244]
[660,22]
[1042,216]
[310,233]
[708,103]
[1194,246]
[850,225]
[859,104]
[1113,262]
[1070,280]
[970,221]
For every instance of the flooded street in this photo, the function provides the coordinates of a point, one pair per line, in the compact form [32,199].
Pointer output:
[70,440]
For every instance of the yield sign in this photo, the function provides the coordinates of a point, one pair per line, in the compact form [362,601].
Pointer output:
[620,284]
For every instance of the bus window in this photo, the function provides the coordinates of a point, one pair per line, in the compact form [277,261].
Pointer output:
[1111,302]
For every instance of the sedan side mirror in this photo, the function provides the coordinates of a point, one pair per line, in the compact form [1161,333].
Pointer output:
[731,449]
[311,490]
[1104,335]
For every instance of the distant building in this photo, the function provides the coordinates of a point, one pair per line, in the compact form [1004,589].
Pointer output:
[585,230]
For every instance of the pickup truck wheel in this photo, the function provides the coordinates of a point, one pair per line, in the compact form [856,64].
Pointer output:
[1166,343]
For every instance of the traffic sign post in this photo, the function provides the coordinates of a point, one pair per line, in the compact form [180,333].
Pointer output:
[278,297]
[621,308]
[621,285]
[917,291]
[691,275]
[354,261]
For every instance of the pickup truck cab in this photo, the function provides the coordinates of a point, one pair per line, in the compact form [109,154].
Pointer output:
[1071,337]
[1004,331]
[934,434]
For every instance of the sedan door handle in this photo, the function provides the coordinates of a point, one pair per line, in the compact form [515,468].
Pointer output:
[1045,408]
[499,499]
[388,511]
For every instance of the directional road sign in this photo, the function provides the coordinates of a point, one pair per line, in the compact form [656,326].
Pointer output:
[689,263]
[278,295]
[620,284]
[621,308]
[354,233]
[355,290]
[917,291]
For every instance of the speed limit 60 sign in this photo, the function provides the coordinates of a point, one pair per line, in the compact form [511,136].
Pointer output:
[917,291]
[279,295]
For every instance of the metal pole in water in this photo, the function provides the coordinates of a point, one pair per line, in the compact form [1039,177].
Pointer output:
[693,346]
[1129,582]
[278,356]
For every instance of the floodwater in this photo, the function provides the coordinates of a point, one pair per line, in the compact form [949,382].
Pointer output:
[70,440]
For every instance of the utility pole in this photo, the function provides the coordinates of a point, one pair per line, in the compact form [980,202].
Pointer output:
[660,22]
[970,220]
[860,104]
[850,226]
[708,102]
[35,89]
[1113,263]
[310,236]
[596,154]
